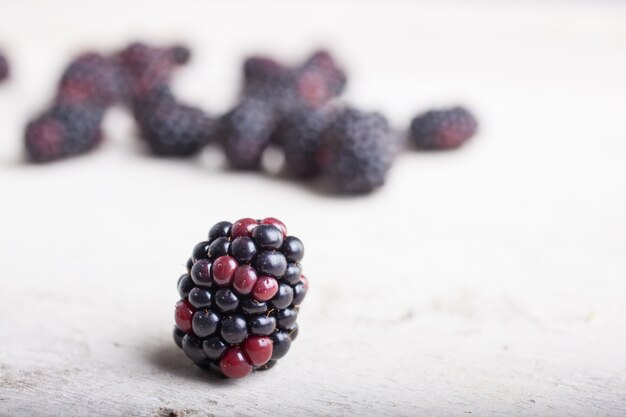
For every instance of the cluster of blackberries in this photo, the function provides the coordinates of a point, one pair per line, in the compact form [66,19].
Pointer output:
[138,77]
[72,125]
[270,92]
[169,127]
[294,108]
[4,67]
[240,297]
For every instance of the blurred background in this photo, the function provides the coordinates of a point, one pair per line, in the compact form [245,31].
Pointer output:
[487,280]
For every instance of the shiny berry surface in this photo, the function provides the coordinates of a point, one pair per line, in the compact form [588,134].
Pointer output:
[267,236]
[243,227]
[224,268]
[233,329]
[265,288]
[293,273]
[185,284]
[201,272]
[250,306]
[258,349]
[285,319]
[262,325]
[214,347]
[200,251]
[219,247]
[199,297]
[226,300]
[298,293]
[271,263]
[192,346]
[293,249]
[204,323]
[244,279]
[243,249]
[283,297]
[219,229]
[234,364]
[189,264]
[281,344]
[183,314]
[277,223]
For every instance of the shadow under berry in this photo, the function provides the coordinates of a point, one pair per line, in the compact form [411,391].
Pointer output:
[168,358]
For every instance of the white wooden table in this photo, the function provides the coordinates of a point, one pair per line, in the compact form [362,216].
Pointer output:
[489,281]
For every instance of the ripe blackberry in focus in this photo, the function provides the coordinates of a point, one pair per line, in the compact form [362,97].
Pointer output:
[357,151]
[64,130]
[93,78]
[299,133]
[244,133]
[150,67]
[238,310]
[443,129]
[171,128]
[4,67]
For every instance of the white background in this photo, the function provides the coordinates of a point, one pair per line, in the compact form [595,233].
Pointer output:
[487,281]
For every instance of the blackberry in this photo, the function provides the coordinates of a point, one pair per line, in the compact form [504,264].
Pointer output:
[244,133]
[4,67]
[143,106]
[309,85]
[150,67]
[271,91]
[220,229]
[62,131]
[268,236]
[93,78]
[443,129]
[185,285]
[173,129]
[357,151]
[319,80]
[199,252]
[243,249]
[264,78]
[234,317]
[299,133]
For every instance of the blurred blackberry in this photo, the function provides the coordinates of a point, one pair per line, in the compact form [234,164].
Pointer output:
[299,133]
[270,82]
[357,151]
[241,297]
[174,129]
[93,78]
[260,72]
[245,131]
[62,131]
[443,129]
[180,54]
[309,85]
[150,67]
[4,67]
[319,80]
[142,106]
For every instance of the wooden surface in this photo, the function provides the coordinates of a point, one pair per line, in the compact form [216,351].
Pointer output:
[486,282]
